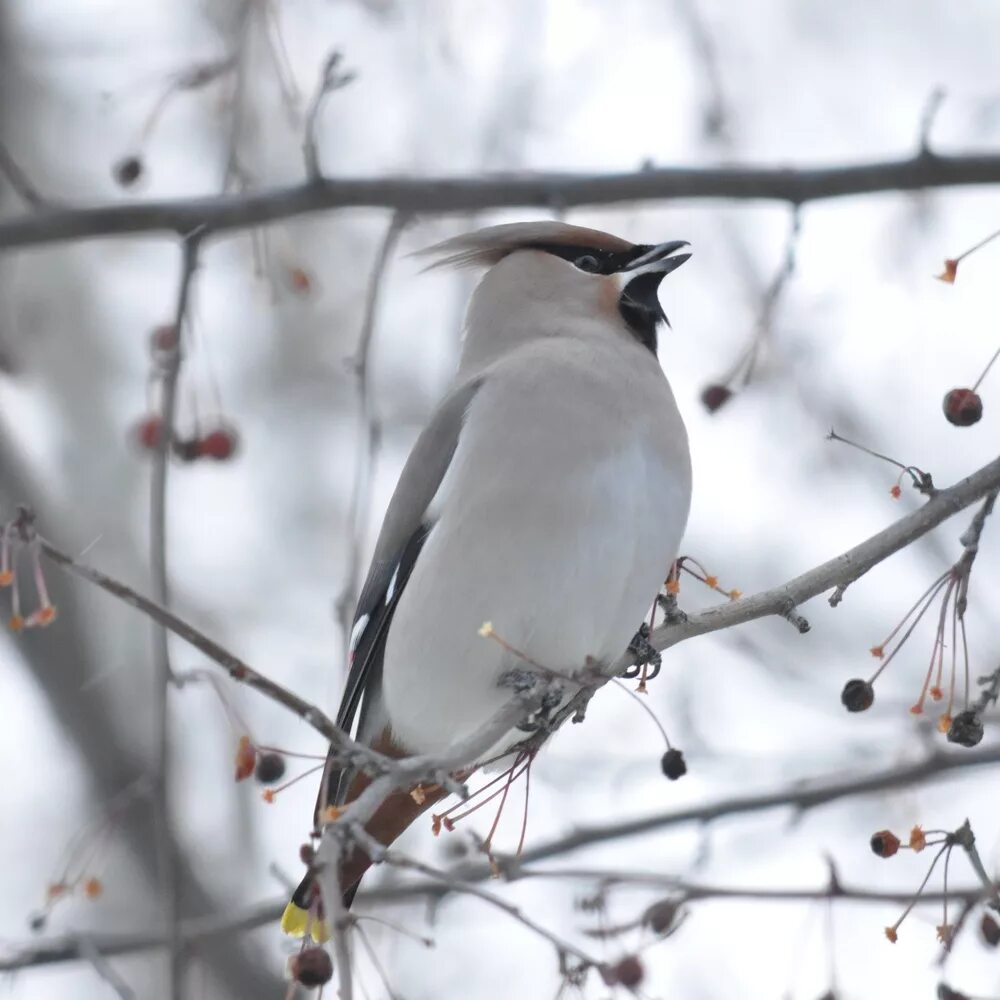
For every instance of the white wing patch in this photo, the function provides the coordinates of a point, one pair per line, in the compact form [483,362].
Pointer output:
[359,628]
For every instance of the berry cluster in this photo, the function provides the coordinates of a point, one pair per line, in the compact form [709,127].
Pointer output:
[219,444]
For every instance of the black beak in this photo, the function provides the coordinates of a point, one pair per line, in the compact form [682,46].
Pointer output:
[658,257]
[639,296]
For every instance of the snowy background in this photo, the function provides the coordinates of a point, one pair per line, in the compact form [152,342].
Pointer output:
[863,339]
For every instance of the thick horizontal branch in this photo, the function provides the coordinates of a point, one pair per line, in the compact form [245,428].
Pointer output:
[469,194]
[839,571]
[799,798]
[67,947]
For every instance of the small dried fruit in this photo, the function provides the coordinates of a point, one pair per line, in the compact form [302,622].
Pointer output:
[950,271]
[673,764]
[218,444]
[858,695]
[187,449]
[246,758]
[148,432]
[311,967]
[627,972]
[270,768]
[962,407]
[660,917]
[163,338]
[990,930]
[966,729]
[714,396]
[884,843]
[127,170]
[307,854]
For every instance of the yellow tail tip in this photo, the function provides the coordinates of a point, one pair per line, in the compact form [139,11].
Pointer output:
[297,922]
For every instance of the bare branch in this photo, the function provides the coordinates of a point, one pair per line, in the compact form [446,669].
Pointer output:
[237,669]
[164,676]
[837,572]
[365,458]
[470,194]
[104,969]
[799,798]
[331,78]
[18,180]
[67,948]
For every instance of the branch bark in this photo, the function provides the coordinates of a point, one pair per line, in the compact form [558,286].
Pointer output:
[470,194]
[838,572]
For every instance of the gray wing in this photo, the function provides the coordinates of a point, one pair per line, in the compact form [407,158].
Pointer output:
[404,530]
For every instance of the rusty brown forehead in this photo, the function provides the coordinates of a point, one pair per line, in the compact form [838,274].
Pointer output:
[578,236]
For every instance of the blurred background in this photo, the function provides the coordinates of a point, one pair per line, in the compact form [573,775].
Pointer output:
[103,102]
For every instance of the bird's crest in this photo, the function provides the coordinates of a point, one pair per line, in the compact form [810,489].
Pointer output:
[486,247]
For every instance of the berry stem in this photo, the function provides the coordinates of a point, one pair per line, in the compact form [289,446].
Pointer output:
[989,365]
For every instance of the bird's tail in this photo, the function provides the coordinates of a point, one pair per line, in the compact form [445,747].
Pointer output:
[304,914]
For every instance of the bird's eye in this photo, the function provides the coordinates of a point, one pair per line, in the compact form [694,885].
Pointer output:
[588,263]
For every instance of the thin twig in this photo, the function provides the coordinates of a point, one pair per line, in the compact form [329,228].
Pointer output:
[366,452]
[238,670]
[967,840]
[101,965]
[837,572]
[331,78]
[163,673]
[18,180]
[927,119]
[196,931]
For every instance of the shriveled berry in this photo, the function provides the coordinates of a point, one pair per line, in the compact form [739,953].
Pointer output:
[628,972]
[187,449]
[311,967]
[715,396]
[966,729]
[270,768]
[990,930]
[884,843]
[660,917]
[858,695]
[163,338]
[307,854]
[128,170]
[218,444]
[673,764]
[962,407]
[149,432]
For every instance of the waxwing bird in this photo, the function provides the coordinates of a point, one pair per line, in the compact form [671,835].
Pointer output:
[547,495]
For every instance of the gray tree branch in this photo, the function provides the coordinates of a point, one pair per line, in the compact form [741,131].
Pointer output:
[521,190]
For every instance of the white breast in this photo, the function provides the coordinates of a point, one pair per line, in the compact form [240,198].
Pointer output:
[557,521]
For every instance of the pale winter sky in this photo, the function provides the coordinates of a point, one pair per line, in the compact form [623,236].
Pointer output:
[862,339]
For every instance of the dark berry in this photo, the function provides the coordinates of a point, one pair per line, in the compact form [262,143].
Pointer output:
[149,432]
[858,695]
[884,843]
[628,972]
[163,338]
[219,444]
[270,768]
[966,729]
[660,917]
[128,170]
[307,854]
[990,930]
[311,967]
[187,449]
[673,764]
[962,407]
[715,396]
